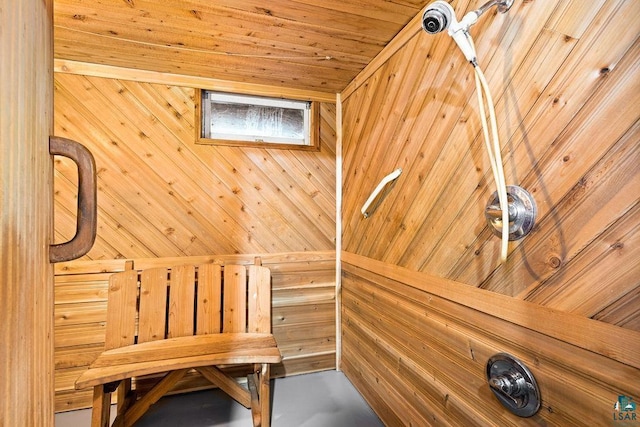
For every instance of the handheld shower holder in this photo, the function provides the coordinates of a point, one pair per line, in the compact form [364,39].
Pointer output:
[522,212]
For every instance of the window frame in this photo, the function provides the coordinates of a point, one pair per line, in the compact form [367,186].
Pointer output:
[314,125]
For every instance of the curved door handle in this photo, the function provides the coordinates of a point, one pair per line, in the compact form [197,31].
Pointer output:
[86,223]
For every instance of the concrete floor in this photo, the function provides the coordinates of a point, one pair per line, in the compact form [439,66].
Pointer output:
[324,399]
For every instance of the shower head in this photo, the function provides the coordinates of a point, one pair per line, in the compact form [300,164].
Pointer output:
[437,17]
[440,16]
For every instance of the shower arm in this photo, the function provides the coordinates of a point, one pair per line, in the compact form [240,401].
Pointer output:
[503,6]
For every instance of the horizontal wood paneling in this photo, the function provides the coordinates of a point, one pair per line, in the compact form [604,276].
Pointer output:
[564,82]
[161,195]
[288,43]
[418,353]
[303,314]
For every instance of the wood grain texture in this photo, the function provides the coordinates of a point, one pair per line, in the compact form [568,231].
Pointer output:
[26,222]
[303,314]
[259,300]
[152,323]
[564,82]
[425,302]
[209,301]
[160,195]
[303,44]
[407,334]
[181,307]
[121,316]
[234,314]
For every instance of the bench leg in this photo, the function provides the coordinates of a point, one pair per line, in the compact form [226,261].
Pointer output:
[253,384]
[265,394]
[260,388]
[226,384]
[101,407]
[125,397]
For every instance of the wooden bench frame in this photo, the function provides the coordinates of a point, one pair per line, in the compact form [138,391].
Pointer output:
[177,319]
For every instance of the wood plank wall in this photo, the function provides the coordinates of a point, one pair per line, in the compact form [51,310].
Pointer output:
[416,346]
[26,207]
[303,314]
[565,83]
[564,79]
[161,196]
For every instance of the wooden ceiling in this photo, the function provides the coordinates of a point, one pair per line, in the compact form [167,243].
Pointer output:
[304,44]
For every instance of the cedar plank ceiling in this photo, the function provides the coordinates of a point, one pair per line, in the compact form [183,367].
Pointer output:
[305,44]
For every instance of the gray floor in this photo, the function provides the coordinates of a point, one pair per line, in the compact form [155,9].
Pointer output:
[325,399]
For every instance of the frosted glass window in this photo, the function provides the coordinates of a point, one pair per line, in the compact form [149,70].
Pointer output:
[256,119]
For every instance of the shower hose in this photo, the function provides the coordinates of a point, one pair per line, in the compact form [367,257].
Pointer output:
[492,143]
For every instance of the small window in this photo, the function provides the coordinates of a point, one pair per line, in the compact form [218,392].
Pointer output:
[244,120]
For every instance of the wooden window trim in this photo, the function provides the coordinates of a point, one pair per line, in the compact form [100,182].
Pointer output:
[314,127]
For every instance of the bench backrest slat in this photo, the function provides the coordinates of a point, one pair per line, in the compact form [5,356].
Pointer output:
[259,299]
[235,299]
[153,302]
[121,311]
[161,303]
[209,301]
[181,301]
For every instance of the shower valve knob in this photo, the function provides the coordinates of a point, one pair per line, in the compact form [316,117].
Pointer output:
[513,384]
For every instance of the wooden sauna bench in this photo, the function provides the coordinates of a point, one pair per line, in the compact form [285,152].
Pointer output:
[303,315]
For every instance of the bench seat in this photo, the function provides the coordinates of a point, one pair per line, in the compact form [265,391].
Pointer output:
[177,353]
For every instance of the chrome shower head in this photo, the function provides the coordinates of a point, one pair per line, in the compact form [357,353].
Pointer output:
[440,16]
[437,17]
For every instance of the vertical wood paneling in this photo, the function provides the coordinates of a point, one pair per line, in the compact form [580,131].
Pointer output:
[26,209]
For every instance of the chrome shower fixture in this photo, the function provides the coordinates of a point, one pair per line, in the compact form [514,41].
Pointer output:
[440,16]
[522,212]
[503,6]
[510,215]
[513,384]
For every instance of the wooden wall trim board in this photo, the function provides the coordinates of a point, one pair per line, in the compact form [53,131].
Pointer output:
[113,72]
[607,340]
[303,314]
[278,262]
[338,226]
